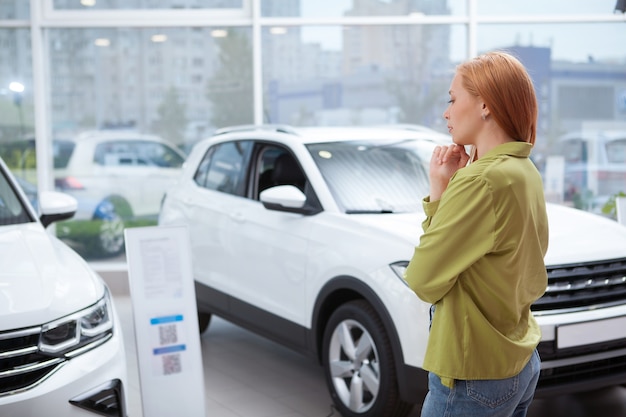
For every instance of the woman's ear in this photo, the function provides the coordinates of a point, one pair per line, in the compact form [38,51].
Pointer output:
[485,111]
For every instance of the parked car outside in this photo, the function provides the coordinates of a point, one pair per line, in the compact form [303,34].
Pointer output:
[61,345]
[595,166]
[118,178]
[303,235]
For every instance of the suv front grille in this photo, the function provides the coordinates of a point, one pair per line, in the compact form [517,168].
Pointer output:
[22,364]
[584,285]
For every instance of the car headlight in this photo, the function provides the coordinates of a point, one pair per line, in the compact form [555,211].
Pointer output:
[399,268]
[79,332]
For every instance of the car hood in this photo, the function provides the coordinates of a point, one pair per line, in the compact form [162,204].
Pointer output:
[575,235]
[41,279]
[580,236]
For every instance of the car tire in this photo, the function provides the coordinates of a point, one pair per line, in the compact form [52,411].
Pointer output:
[204,319]
[359,365]
[111,212]
[111,238]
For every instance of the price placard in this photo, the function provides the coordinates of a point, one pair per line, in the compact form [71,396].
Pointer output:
[166,322]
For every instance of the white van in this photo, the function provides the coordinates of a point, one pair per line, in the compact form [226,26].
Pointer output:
[595,165]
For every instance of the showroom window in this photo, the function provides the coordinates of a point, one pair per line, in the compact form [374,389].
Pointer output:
[12,9]
[328,75]
[180,69]
[16,102]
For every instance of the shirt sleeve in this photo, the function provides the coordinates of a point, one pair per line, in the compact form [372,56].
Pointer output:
[458,230]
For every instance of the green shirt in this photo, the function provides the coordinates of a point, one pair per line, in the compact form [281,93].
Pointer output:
[480,262]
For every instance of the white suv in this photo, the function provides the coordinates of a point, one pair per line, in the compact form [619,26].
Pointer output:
[118,177]
[303,235]
[61,346]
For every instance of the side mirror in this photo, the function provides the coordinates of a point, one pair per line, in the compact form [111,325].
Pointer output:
[55,206]
[285,198]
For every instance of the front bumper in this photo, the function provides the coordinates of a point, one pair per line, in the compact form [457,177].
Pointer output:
[596,358]
[94,381]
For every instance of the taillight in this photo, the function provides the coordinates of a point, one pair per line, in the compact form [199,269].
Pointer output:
[68,183]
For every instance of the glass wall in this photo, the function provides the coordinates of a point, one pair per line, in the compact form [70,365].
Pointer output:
[17,105]
[174,82]
[130,86]
[12,9]
[579,72]
[127,104]
[337,75]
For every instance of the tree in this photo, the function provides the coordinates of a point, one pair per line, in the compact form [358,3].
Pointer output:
[230,89]
[172,120]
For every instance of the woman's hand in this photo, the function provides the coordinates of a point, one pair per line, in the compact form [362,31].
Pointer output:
[445,161]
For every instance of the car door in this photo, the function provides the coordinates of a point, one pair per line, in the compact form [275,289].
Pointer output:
[270,248]
[255,255]
[210,201]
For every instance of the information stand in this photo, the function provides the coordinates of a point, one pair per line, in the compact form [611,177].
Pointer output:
[166,322]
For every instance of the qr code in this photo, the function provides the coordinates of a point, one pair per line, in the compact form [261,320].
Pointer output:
[171,364]
[168,334]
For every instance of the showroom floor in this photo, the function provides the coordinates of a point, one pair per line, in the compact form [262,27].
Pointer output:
[248,376]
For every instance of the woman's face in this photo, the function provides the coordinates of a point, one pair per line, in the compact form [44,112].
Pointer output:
[464,113]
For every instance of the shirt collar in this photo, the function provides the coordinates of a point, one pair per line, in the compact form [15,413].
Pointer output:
[515,148]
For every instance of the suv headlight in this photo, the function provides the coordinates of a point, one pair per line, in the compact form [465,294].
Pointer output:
[399,268]
[79,332]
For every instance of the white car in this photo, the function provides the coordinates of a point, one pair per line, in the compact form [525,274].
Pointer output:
[303,235]
[117,177]
[61,345]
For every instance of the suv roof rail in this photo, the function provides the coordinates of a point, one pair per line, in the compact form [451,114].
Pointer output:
[243,128]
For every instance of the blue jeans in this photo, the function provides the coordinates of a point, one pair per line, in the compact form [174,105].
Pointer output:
[508,397]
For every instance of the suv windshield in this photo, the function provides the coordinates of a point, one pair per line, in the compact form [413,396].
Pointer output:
[12,210]
[374,176]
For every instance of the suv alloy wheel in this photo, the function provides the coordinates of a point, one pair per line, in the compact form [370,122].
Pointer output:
[359,365]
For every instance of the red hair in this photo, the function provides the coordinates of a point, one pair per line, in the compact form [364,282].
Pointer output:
[504,85]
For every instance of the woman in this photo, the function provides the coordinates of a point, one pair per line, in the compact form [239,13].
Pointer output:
[480,259]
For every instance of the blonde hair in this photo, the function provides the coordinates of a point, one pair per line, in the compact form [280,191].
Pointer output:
[504,85]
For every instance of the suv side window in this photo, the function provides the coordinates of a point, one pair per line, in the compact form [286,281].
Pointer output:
[224,166]
[616,151]
[159,154]
[277,166]
[62,151]
[137,153]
